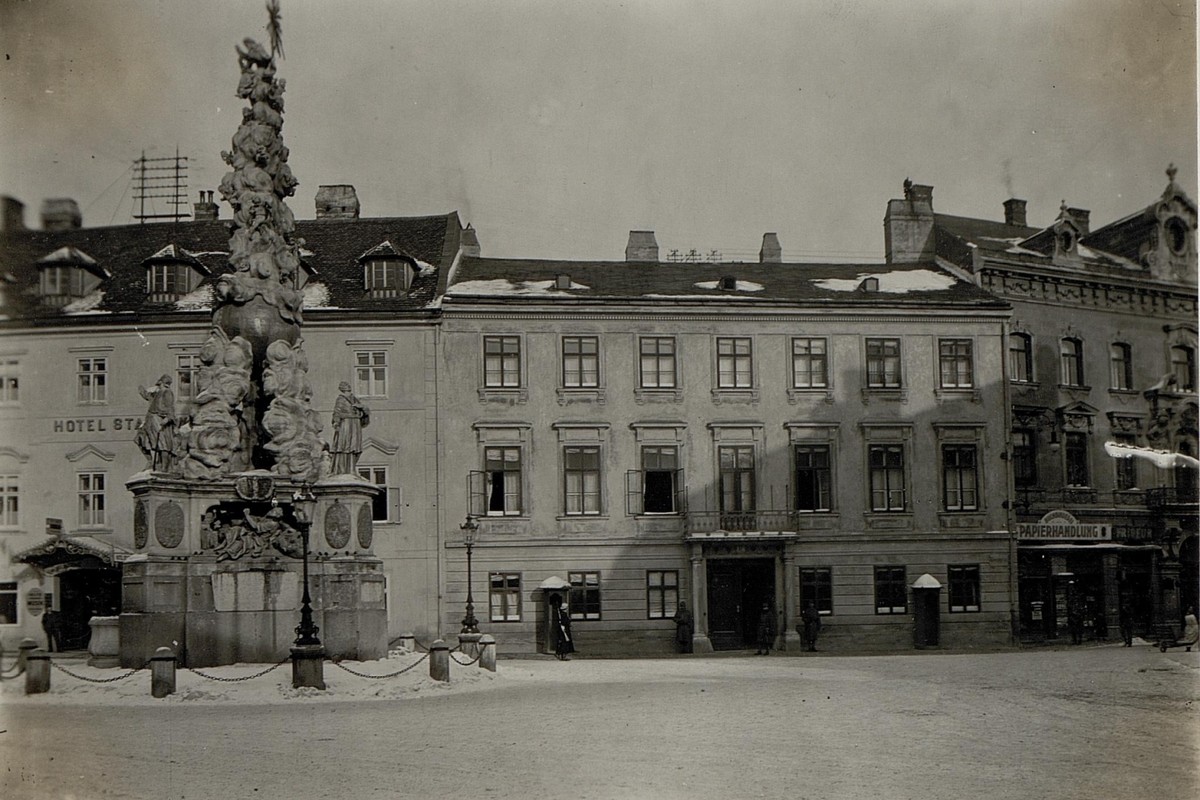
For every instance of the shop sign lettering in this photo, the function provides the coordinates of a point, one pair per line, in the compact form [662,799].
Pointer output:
[1063,525]
[96,424]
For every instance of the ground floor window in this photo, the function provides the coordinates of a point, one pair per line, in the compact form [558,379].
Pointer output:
[8,603]
[379,503]
[662,593]
[816,587]
[504,597]
[891,590]
[964,587]
[585,595]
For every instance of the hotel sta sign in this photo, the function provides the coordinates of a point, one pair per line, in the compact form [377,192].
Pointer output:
[1060,524]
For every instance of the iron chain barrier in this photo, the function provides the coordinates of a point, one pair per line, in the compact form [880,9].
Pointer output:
[113,679]
[400,671]
[276,665]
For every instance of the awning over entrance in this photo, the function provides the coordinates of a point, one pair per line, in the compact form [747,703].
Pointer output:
[82,552]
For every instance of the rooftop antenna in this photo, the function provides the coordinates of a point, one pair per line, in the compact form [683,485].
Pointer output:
[165,178]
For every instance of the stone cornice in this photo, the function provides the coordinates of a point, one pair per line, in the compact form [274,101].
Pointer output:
[1128,296]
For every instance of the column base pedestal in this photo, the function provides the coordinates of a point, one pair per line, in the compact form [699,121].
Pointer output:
[308,666]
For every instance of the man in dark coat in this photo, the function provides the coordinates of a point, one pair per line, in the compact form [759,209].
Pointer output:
[811,619]
[766,630]
[683,628]
[564,645]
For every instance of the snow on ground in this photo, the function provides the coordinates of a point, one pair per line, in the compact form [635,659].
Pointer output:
[897,282]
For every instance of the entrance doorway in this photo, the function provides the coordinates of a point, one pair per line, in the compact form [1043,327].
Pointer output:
[737,589]
[83,594]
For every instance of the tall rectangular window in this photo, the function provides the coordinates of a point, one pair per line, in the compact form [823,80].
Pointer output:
[382,274]
[10,381]
[169,279]
[956,362]
[1020,357]
[504,597]
[662,593]
[187,370]
[737,478]
[8,603]
[660,476]
[1183,367]
[960,478]
[883,363]
[1024,455]
[1121,366]
[370,373]
[503,468]
[964,587]
[656,367]
[581,362]
[810,363]
[1075,450]
[813,478]
[584,599]
[1071,359]
[581,476]
[92,380]
[502,362]
[886,464]
[734,363]
[816,587]
[379,503]
[10,501]
[1127,474]
[891,590]
[91,498]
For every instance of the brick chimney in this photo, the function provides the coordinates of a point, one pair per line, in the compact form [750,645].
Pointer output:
[12,214]
[1014,212]
[469,243]
[770,252]
[205,210]
[1083,218]
[338,201]
[61,214]
[908,225]
[642,246]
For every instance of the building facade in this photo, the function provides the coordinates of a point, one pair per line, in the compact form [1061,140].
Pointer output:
[1101,348]
[630,436]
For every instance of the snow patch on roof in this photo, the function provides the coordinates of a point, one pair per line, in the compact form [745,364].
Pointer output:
[86,304]
[1014,245]
[316,295]
[423,268]
[898,282]
[697,297]
[503,286]
[741,286]
[69,255]
[198,299]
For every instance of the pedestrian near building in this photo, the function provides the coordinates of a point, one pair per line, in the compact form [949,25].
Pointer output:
[1191,631]
[50,624]
[564,645]
[1126,622]
[765,632]
[683,628]
[810,626]
[1074,614]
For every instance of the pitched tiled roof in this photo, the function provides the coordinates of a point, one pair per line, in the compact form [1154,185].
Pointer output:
[331,252]
[485,279]
[956,236]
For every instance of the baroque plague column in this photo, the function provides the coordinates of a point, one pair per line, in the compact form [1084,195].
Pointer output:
[218,540]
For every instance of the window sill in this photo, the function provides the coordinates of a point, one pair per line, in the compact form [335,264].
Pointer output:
[955,393]
[643,396]
[823,393]
[881,395]
[581,395]
[722,395]
[1067,387]
[888,520]
[959,520]
[509,396]
[584,517]
[1016,384]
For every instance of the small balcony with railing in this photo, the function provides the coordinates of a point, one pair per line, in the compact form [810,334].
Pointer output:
[743,522]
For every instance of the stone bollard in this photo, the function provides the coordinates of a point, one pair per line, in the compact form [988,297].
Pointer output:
[37,672]
[26,647]
[487,655]
[468,644]
[439,661]
[308,666]
[162,672]
[408,642]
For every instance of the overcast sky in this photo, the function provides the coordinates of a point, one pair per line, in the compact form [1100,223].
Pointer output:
[555,128]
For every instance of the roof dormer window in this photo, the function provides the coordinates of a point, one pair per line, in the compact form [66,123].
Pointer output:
[172,273]
[1177,235]
[387,272]
[68,274]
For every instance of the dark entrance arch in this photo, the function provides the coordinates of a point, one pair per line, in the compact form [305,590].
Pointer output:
[1189,569]
[88,580]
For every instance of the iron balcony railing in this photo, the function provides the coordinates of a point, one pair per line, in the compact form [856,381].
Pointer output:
[1172,496]
[1032,498]
[742,521]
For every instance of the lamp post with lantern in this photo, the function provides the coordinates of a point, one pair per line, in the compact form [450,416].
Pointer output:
[470,529]
[307,652]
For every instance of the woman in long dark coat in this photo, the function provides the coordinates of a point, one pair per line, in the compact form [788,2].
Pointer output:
[563,643]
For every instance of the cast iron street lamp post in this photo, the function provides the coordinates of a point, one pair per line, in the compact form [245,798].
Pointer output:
[303,504]
[469,529]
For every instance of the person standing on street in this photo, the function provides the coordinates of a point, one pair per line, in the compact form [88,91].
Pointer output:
[683,628]
[1074,614]
[564,645]
[765,633]
[1191,630]
[1126,622]
[811,619]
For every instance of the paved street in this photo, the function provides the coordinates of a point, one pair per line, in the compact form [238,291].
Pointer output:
[1092,722]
